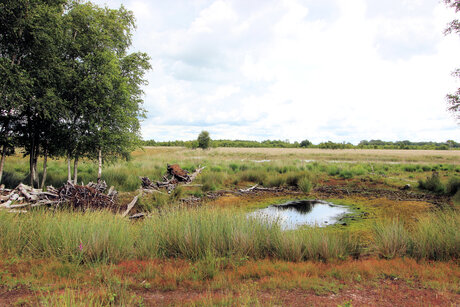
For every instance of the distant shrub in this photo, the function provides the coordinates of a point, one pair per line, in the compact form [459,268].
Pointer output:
[305,184]
[216,169]
[426,168]
[292,179]
[346,174]
[411,168]
[432,184]
[243,167]
[256,176]
[211,181]
[333,170]
[359,170]
[456,198]
[233,166]
[275,181]
[453,186]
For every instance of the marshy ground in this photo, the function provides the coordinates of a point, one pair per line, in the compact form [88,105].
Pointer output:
[397,247]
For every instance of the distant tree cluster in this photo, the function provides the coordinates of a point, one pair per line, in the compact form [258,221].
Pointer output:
[453,99]
[372,144]
[68,86]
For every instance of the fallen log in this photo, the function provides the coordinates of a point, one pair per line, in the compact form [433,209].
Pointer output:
[13,198]
[23,189]
[248,189]
[196,173]
[137,216]
[178,177]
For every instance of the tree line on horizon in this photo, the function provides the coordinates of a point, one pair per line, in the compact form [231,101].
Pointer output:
[68,85]
[372,144]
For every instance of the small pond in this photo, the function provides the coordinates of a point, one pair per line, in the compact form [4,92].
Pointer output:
[294,214]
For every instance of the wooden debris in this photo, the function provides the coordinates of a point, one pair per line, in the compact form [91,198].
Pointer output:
[178,173]
[100,186]
[248,189]
[175,176]
[81,197]
[138,216]
[130,206]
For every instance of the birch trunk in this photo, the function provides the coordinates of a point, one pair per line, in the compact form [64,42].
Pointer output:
[69,172]
[45,160]
[2,162]
[36,175]
[31,163]
[75,170]
[99,170]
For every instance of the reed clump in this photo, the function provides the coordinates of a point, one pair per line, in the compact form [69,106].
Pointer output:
[435,236]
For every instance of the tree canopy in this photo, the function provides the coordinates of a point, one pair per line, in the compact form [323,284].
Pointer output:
[68,85]
[204,140]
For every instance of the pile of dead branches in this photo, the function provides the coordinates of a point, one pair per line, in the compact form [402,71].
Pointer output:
[82,197]
[174,176]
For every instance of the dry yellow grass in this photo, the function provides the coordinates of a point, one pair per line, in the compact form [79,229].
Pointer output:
[349,155]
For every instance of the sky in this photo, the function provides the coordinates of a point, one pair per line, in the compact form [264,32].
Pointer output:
[338,70]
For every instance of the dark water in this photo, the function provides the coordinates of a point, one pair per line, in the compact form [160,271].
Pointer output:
[294,214]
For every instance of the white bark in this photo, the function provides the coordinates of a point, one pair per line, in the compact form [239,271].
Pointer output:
[99,170]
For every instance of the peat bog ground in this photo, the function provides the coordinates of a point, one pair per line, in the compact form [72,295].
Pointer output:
[399,243]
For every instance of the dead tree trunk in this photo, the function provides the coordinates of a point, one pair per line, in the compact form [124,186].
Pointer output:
[45,160]
[69,172]
[2,161]
[99,170]
[75,170]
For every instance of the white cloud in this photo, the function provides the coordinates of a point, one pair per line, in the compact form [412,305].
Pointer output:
[295,69]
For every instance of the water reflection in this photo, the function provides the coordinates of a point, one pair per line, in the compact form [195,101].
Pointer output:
[294,214]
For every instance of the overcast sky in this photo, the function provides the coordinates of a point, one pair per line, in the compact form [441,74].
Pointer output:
[340,70]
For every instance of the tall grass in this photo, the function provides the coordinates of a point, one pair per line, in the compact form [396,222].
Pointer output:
[201,233]
[187,233]
[434,236]
[391,238]
[74,237]
[437,236]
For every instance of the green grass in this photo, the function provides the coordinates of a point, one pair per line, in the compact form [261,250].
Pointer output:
[432,183]
[101,237]
[305,184]
[185,233]
[227,168]
[391,239]
[435,237]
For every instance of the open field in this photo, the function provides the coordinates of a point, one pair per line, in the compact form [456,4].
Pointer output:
[226,164]
[198,247]
[352,155]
